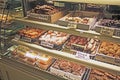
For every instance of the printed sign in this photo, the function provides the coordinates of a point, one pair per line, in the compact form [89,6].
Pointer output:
[72,25]
[47,44]
[107,31]
[82,55]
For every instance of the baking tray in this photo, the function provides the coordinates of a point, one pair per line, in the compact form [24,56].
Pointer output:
[51,45]
[66,75]
[106,58]
[82,14]
[103,76]
[28,39]
[47,66]
[100,28]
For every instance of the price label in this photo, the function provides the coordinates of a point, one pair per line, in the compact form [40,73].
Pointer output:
[43,17]
[17,37]
[107,31]
[72,25]
[82,55]
[77,47]
[47,44]
[27,39]
[117,32]
[117,61]
[59,4]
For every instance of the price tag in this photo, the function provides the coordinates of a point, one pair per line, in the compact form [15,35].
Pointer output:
[117,32]
[107,31]
[43,17]
[117,61]
[77,47]
[59,4]
[47,44]
[27,39]
[82,55]
[72,25]
[17,37]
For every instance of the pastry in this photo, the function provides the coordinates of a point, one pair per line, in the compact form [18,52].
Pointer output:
[110,49]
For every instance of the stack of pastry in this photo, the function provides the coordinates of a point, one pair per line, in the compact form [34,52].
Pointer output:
[110,49]
[54,37]
[85,20]
[70,67]
[5,17]
[100,75]
[31,32]
[45,9]
[77,40]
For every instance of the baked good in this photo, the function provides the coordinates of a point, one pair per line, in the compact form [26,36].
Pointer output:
[31,56]
[91,46]
[76,40]
[80,20]
[46,9]
[101,75]
[115,23]
[4,18]
[31,32]
[110,49]
[70,67]
[54,37]
[43,59]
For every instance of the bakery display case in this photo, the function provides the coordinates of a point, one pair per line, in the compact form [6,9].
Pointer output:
[62,40]
[7,25]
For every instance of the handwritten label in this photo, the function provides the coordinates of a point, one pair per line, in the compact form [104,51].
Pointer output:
[82,55]
[72,25]
[47,44]
[27,39]
[107,31]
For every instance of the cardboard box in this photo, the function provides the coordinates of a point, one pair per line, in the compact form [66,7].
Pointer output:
[46,18]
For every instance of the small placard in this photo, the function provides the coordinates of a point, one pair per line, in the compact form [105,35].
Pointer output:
[82,55]
[117,32]
[27,39]
[107,31]
[72,25]
[17,37]
[59,4]
[77,47]
[38,16]
[47,44]
[43,17]
[117,61]
[105,58]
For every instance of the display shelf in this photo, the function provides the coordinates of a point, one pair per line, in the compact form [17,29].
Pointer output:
[83,33]
[89,63]
[107,2]
[29,70]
